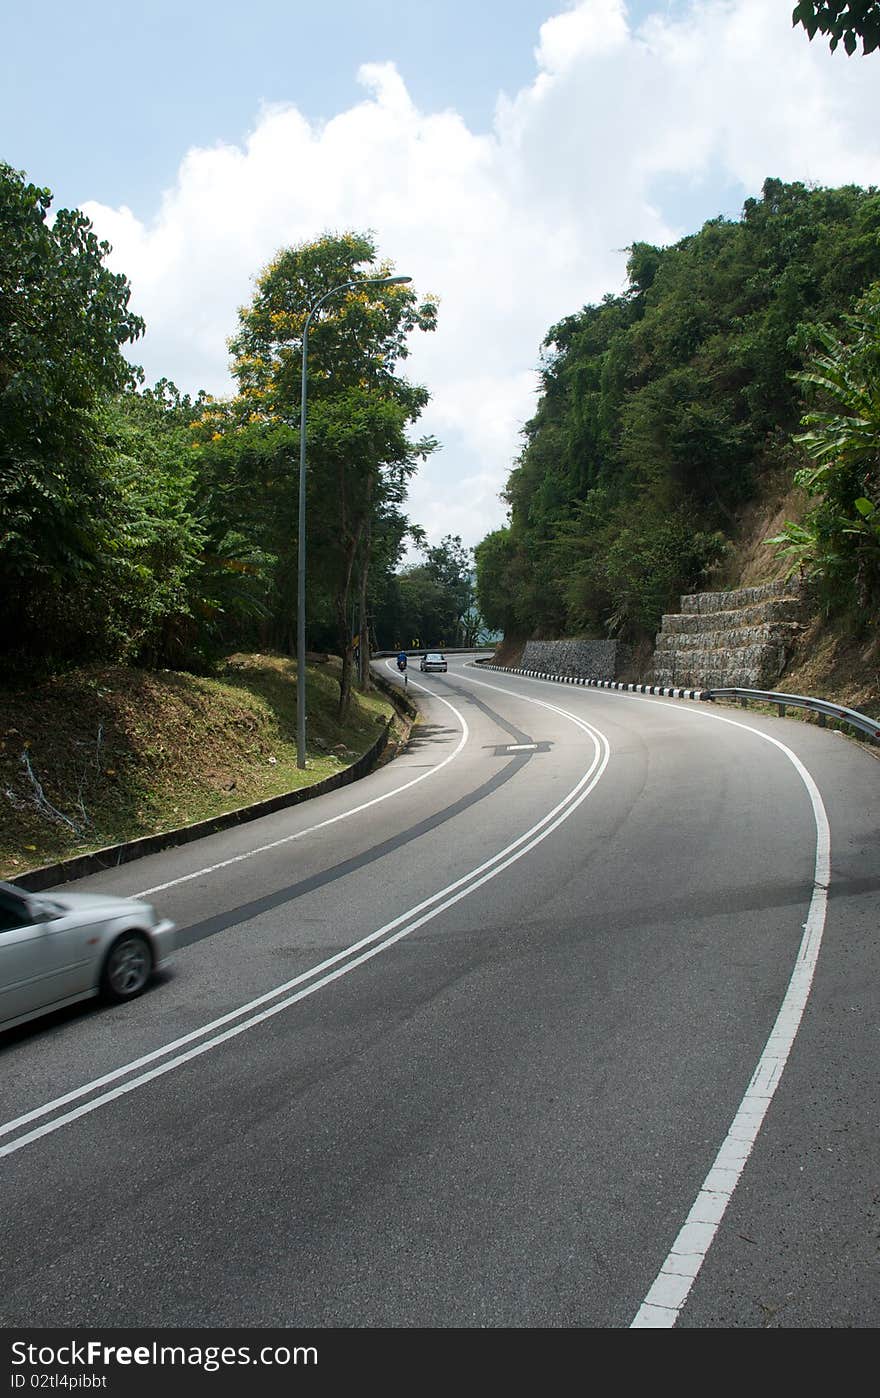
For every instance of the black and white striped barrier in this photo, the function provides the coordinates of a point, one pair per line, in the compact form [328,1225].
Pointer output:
[668,691]
[851,718]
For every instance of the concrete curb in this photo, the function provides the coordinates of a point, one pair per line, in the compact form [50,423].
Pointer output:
[65,870]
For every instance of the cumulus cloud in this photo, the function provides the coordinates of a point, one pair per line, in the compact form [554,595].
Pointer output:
[512,228]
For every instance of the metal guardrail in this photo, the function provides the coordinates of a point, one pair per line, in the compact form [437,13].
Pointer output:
[822,707]
[852,718]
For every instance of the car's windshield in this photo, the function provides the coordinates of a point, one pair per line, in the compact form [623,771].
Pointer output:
[14,910]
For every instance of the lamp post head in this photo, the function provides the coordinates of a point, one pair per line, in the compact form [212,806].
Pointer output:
[381,281]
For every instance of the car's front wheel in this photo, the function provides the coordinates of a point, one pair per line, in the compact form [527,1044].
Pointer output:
[128,967]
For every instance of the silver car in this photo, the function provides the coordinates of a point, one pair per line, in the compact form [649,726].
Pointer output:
[58,948]
[434,660]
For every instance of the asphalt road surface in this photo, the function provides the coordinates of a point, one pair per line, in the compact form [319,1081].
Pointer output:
[564,1018]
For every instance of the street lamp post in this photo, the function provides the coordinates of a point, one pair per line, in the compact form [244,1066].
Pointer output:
[301,535]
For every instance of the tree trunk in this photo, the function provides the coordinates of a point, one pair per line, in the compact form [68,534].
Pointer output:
[363,623]
[346,649]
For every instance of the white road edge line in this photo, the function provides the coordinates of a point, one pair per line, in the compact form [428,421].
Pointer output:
[415,917]
[672,1286]
[667,1296]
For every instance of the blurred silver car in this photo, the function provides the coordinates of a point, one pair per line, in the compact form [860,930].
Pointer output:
[434,660]
[58,948]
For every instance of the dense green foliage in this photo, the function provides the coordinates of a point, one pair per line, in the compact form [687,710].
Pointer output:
[844,21]
[838,543]
[148,528]
[358,451]
[662,409]
[63,319]
[432,604]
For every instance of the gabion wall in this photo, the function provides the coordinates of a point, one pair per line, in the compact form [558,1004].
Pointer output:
[595,660]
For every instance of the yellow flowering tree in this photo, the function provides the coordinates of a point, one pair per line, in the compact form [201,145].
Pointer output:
[361,410]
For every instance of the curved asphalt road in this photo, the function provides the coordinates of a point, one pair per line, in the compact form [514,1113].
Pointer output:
[470,1043]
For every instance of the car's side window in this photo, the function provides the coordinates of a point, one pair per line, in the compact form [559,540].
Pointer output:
[13,913]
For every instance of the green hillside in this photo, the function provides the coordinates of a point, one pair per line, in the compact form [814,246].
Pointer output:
[669,438]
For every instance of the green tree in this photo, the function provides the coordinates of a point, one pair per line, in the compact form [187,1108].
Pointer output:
[844,21]
[378,610]
[246,493]
[360,410]
[495,558]
[452,566]
[839,541]
[435,601]
[424,615]
[159,590]
[63,319]
[661,410]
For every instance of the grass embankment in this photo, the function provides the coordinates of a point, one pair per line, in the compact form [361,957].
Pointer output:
[107,754]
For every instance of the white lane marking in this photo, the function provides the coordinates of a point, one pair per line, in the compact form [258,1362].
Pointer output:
[671,1289]
[668,1294]
[663,1304]
[391,933]
[321,824]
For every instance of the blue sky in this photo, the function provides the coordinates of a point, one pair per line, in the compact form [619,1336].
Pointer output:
[505,154]
[100,101]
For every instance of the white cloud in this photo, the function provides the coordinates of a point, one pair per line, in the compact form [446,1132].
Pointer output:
[594,28]
[512,229]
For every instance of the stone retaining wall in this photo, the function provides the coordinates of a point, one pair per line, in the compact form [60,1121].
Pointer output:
[600,660]
[739,639]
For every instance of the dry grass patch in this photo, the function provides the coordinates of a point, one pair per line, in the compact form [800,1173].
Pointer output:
[107,754]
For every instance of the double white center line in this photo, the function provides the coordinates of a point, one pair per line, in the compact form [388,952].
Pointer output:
[52,1116]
